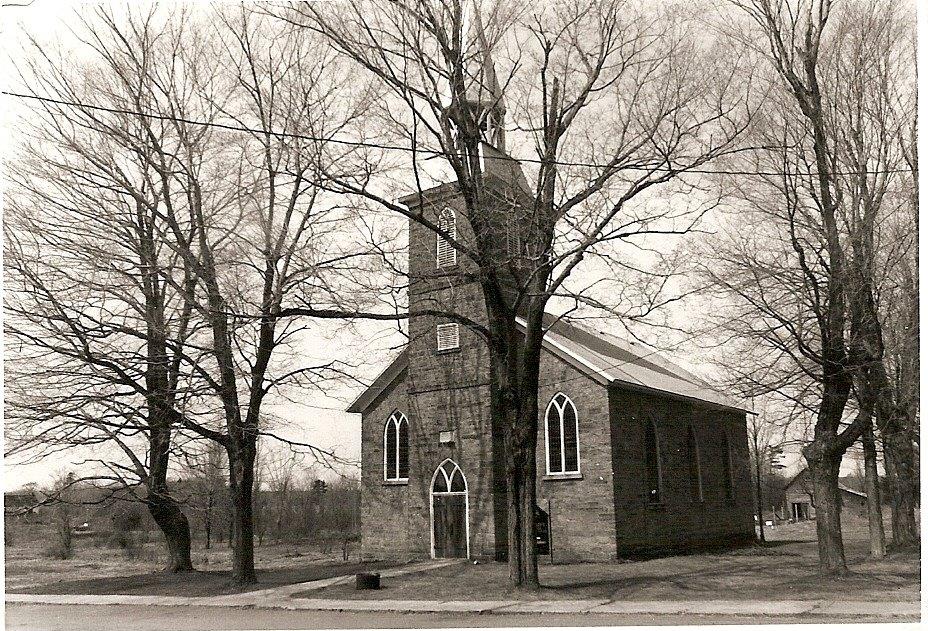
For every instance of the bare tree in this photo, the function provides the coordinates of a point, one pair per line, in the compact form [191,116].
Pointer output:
[612,101]
[205,470]
[151,123]
[97,327]
[809,274]
[765,441]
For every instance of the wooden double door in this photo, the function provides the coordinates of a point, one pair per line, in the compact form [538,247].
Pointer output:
[450,526]
[449,512]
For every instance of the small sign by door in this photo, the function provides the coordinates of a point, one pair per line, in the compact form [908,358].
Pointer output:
[542,531]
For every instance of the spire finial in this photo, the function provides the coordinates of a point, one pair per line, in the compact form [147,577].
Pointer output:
[486,95]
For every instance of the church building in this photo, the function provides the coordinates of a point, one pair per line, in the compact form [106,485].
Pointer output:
[636,455]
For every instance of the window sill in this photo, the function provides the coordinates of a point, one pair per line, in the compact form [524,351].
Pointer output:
[399,482]
[576,475]
[448,351]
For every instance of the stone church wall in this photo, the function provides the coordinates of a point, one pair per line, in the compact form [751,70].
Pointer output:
[581,509]
[384,506]
[679,520]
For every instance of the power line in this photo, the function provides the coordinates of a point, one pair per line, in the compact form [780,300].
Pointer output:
[386,147]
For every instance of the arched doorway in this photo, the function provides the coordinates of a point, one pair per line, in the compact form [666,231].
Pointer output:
[450,523]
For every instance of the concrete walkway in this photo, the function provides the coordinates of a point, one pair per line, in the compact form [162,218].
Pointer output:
[273,599]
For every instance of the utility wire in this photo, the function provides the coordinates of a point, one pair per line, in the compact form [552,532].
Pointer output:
[429,152]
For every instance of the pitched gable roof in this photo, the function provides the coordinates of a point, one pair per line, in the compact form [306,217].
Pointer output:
[612,360]
[384,380]
[602,357]
[803,475]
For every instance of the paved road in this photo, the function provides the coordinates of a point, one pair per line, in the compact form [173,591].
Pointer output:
[152,618]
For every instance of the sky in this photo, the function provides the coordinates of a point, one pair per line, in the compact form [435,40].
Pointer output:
[312,417]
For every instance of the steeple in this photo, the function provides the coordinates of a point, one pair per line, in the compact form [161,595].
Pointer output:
[483,96]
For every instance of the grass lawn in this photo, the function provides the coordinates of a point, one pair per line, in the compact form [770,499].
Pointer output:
[98,569]
[785,569]
[211,583]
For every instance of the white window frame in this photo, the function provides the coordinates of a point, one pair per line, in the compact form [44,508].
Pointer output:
[394,421]
[455,337]
[560,409]
[446,255]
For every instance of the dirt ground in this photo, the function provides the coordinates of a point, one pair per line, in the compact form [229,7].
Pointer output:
[785,569]
[97,568]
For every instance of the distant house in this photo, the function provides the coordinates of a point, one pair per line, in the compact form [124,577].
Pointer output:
[800,501]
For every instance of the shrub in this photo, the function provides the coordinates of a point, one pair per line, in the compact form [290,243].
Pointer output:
[126,541]
[60,550]
[64,546]
[8,538]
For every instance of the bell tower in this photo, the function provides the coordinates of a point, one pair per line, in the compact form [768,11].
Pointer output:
[449,363]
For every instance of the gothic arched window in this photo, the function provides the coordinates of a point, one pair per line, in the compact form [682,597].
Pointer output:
[445,254]
[562,444]
[396,448]
[728,479]
[692,456]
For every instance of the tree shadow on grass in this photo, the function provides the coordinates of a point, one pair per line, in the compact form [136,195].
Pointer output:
[207,583]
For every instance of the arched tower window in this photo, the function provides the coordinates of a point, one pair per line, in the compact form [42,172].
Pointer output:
[445,253]
[562,444]
[695,468]
[396,448]
[652,462]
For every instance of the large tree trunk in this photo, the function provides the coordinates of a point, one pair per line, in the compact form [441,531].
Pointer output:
[176,529]
[514,406]
[520,500]
[872,482]
[241,487]
[164,510]
[529,557]
[824,467]
[523,562]
[899,456]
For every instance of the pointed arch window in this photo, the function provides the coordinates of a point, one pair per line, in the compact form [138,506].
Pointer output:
[562,443]
[652,462]
[396,448]
[695,467]
[449,478]
[445,253]
[728,479]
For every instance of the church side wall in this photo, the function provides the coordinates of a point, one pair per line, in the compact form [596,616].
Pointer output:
[385,529]
[581,510]
[679,521]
